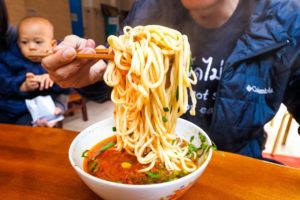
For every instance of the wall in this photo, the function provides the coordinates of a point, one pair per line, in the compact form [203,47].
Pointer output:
[57,11]
[125,4]
[16,10]
[93,20]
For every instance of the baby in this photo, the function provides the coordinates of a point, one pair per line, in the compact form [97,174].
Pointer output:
[36,35]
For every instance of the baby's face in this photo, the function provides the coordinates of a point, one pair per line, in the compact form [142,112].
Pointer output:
[35,38]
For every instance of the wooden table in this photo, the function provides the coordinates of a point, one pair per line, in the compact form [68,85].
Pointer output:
[34,165]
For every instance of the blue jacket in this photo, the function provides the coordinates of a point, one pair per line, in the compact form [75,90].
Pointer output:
[261,73]
[13,67]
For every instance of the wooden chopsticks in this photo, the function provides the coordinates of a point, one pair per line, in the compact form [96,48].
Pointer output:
[100,54]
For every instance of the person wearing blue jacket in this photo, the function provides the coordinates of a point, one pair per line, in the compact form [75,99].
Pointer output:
[23,78]
[245,54]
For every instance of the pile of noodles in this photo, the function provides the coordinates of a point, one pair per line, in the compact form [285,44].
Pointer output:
[151,76]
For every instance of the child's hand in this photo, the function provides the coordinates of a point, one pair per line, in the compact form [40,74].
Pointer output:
[30,84]
[45,81]
[57,111]
[44,123]
[41,123]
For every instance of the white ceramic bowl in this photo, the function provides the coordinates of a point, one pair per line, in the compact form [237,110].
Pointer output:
[116,191]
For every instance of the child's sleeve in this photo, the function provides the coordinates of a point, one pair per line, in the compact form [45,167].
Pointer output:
[10,83]
[62,102]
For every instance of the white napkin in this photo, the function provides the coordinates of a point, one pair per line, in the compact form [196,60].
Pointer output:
[42,107]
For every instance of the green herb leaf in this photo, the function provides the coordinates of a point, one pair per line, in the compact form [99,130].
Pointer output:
[185,173]
[203,146]
[192,149]
[202,137]
[107,146]
[114,129]
[153,174]
[192,138]
[85,153]
[165,119]
[93,166]
[173,142]
[214,146]
[166,109]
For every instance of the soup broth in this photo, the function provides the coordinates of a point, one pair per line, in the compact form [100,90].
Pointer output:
[105,162]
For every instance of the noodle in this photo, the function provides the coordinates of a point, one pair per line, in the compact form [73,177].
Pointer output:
[151,76]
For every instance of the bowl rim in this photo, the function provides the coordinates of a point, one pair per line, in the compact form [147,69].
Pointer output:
[78,169]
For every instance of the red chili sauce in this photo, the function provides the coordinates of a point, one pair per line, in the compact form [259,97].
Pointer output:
[121,167]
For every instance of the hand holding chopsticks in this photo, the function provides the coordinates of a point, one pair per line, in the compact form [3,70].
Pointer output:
[69,67]
[100,54]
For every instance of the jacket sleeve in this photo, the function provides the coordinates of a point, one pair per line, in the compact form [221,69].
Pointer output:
[98,92]
[10,83]
[61,101]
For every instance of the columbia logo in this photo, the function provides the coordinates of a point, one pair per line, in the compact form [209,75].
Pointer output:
[252,88]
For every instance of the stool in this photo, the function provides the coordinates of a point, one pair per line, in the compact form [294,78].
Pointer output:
[284,127]
[76,102]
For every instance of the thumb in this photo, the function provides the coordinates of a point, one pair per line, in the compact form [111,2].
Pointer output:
[62,57]
[75,42]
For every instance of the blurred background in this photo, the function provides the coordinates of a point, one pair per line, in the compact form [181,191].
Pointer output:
[86,18]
